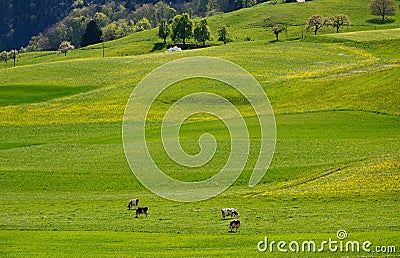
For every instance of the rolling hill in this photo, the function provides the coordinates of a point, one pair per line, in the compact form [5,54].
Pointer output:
[65,181]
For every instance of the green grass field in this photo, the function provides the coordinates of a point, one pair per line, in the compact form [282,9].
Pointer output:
[65,181]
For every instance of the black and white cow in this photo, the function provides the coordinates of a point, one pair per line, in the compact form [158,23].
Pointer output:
[141,210]
[133,202]
[234,224]
[229,212]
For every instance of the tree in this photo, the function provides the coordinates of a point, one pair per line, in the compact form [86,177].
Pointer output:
[339,20]
[146,11]
[142,24]
[316,22]
[223,34]
[182,28]
[277,29]
[109,32]
[77,3]
[163,11]
[4,56]
[56,35]
[117,29]
[164,30]
[201,8]
[101,19]
[383,8]
[202,32]
[38,43]
[92,34]
[248,3]
[75,29]
[65,47]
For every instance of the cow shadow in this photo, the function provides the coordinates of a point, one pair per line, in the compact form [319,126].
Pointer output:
[230,218]
[226,218]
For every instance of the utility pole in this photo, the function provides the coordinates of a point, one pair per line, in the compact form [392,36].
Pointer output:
[14,56]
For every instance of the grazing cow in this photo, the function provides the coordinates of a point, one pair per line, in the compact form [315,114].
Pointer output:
[133,202]
[229,212]
[141,210]
[234,224]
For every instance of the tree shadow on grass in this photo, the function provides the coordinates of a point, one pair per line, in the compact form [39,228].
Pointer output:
[158,46]
[379,21]
[188,46]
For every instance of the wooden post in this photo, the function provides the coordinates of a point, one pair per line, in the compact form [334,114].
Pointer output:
[14,56]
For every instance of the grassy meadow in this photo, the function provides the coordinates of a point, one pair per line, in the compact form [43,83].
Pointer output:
[65,181]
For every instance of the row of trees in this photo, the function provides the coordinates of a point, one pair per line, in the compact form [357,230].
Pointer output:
[316,22]
[382,8]
[63,48]
[182,28]
[7,55]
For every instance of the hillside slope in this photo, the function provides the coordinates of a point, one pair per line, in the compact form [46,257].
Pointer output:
[65,180]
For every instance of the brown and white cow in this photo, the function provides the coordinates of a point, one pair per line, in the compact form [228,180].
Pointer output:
[141,210]
[234,224]
[133,202]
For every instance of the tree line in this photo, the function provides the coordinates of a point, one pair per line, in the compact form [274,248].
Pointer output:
[98,22]
[94,23]
[181,28]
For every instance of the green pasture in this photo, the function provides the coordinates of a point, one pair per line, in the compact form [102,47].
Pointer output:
[371,35]
[65,181]
[181,245]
